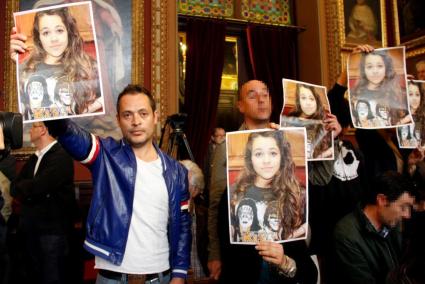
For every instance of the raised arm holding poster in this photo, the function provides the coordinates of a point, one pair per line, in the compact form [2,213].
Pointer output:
[267,183]
[59,75]
[377,88]
[306,105]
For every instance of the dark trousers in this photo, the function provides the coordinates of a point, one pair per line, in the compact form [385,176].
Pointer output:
[4,257]
[46,257]
[4,263]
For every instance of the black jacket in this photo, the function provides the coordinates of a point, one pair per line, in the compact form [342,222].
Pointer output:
[362,254]
[48,198]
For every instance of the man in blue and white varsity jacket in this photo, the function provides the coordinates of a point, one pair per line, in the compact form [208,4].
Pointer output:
[138,225]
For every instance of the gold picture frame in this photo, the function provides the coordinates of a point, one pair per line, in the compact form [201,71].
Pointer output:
[337,49]
[137,58]
[376,10]
[412,40]
[412,57]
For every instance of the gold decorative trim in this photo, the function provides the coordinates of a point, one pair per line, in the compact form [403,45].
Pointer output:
[396,26]
[243,21]
[138,42]
[159,60]
[10,90]
[333,36]
[415,52]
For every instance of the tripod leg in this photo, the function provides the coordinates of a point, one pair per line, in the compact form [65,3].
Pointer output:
[170,144]
[174,150]
[186,144]
[172,147]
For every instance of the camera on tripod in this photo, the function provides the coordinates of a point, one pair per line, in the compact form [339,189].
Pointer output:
[176,139]
[177,120]
[11,124]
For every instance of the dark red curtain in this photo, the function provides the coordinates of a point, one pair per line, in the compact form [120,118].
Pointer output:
[273,56]
[204,65]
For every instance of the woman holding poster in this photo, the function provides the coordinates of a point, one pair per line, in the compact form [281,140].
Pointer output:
[269,176]
[58,56]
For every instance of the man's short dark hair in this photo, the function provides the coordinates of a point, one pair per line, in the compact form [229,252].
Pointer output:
[392,184]
[133,89]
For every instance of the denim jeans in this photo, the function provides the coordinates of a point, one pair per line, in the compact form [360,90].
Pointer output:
[163,279]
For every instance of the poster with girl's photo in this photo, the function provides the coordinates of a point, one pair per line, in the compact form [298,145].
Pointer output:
[267,182]
[411,136]
[306,105]
[59,76]
[377,89]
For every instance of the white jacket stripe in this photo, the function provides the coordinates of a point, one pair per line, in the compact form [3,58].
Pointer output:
[105,252]
[93,150]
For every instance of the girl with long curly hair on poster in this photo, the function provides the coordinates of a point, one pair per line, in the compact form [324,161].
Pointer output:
[268,177]
[69,73]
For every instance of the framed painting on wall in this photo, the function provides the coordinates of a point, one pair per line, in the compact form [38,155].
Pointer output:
[415,63]
[362,22]
[409,22]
